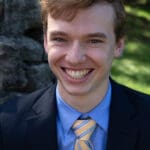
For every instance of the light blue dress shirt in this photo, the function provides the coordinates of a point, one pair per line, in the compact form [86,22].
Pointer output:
[68,115]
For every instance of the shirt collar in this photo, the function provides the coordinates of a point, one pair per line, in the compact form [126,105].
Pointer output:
[101,112]
[68,115]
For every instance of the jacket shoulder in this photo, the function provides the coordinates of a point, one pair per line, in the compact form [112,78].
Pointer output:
[24,101]
[139,100]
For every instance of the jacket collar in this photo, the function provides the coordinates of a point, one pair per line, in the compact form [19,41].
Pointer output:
[42,127]
[123,128]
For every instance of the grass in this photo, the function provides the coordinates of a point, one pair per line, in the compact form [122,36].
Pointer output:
[133,69]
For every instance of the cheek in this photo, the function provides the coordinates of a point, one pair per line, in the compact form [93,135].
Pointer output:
[102,59]
[54,55]
[99,56]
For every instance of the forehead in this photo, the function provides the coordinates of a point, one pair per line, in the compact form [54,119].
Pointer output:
[94,18]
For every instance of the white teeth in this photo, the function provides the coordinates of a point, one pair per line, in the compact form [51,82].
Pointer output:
[77,74]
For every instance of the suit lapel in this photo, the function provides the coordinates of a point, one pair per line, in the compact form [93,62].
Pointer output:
[42,127]
[123,128]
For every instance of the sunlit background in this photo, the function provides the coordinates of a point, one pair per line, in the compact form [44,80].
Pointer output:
[133,69]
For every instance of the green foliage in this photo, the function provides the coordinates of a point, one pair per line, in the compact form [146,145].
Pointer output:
[133,69]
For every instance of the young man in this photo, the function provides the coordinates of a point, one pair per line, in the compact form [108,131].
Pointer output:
[85,110]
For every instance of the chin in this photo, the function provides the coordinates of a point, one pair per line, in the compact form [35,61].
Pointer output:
[77,92]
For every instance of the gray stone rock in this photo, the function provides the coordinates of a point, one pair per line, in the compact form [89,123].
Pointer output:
[1,12]
[20,15]
[38,76]
[28,49]
[11,67]
[23,62]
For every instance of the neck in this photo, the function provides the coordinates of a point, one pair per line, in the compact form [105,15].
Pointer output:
[85,103]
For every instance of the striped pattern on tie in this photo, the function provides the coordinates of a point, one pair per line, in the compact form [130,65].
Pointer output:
[83,130]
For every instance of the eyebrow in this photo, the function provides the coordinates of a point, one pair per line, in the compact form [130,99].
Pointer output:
[90,35]
[97,34]
[56,33]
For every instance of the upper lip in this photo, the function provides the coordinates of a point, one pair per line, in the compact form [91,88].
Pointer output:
[77,69]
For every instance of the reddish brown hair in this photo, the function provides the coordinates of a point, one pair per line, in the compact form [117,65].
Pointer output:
[67,9]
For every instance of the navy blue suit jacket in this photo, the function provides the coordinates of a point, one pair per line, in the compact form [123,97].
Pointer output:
[29,122]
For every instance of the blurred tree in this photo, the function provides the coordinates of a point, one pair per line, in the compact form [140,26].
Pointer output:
[148,3]
[144,2]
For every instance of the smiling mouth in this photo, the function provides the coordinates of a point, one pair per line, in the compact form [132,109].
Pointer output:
[77,74]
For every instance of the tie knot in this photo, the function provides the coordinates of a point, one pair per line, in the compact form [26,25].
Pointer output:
[83,129]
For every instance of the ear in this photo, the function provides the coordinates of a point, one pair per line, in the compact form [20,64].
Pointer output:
[119,47]
[45,43]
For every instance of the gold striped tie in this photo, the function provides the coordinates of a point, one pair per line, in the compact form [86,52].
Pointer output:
[83,129]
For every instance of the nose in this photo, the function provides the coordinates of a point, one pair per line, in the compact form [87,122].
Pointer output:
[75,54]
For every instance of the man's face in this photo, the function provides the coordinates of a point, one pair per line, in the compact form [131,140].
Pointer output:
[80,52]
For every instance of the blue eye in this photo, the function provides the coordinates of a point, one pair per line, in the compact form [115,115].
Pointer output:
[58,39]
[95,41]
